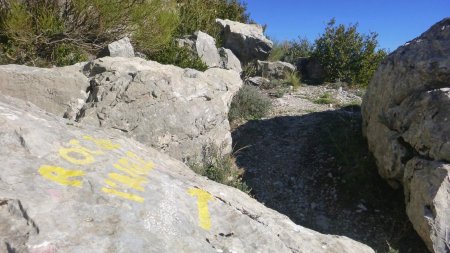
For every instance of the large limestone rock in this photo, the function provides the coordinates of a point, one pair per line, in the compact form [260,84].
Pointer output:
[74,188]
[407,123]
[247,41]
[61,91]
[179,111]
[274,70]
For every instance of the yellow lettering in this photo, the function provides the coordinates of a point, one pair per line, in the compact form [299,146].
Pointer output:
[85,156]
[102,143]
[61,175]
[124,195]
[202,204]
[132,182]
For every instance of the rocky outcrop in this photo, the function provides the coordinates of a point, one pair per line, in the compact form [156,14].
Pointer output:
[61,91]
[407,123]
[179,111]
[204,46]
[75,188]
[120,48]
[247,41]
[274,70]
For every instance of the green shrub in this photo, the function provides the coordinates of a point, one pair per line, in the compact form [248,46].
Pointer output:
[249,103]
[221,168]
[41,32]
[179,56]
[326,98]
[290,51]
[292,79]
[201,14]
[347,55]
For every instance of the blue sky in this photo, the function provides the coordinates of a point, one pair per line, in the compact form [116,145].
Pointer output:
[395,21]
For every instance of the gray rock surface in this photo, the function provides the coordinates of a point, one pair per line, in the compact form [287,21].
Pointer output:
[75,188]
[179,111]
[229,61]
[258,81]
[247,41]
[61,91]
[407,123]
[120,48]
[274,70]
[204,46]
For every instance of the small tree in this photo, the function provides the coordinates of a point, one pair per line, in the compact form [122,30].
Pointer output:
[347,55]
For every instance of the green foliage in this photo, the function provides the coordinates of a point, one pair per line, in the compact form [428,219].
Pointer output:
[292,79]
[347,55]
[41,32]
[326,98]
[290,51]
[248,70]
[221,168]
[179,56]
[67,54]
[201,14]
[249,103]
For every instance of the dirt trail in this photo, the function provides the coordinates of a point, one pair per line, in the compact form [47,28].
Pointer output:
[296,162]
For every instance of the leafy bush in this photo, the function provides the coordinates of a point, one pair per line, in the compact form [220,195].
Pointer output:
[221,168]
[179,56]
[290,51]
[39,32]
[249,103]
[347,55]
[201,14]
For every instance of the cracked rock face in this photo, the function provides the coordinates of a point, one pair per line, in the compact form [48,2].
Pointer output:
[406,114]
[68,187]
[178,111]
[247,41]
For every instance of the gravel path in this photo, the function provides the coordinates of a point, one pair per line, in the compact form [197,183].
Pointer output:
[291,167]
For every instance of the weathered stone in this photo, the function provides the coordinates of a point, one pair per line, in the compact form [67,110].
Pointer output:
[77,188]
[179,111]
[229,61]
[247,41]
[204,46]
[61,91]
[407,123]
[120,48]
[258,81]
[274,70]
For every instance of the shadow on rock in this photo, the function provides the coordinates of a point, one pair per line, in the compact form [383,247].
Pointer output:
[317,170]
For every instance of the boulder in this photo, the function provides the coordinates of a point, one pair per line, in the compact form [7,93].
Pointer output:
[258,81]
[61,91]
[120,48]
[204,46]
[274,70]
[406,114]
[229,61]
[310,69]
[179,111]
[247,41]
[75,188]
